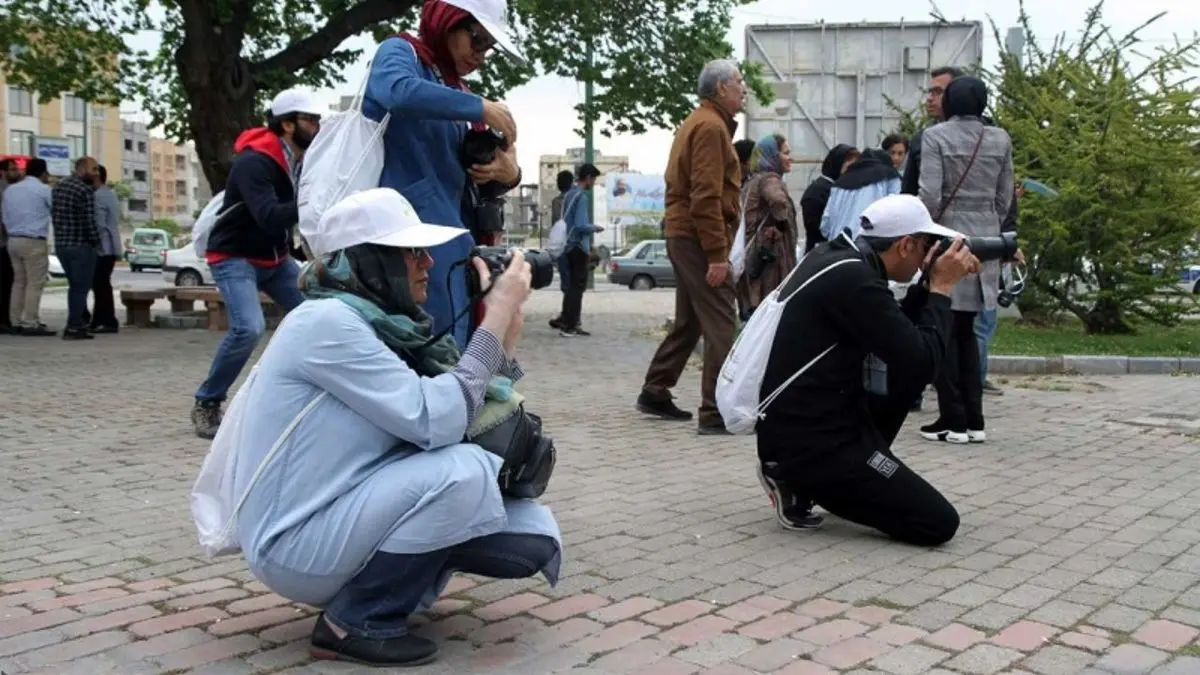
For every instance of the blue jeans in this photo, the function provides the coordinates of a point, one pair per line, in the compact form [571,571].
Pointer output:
[239,283]
[377,602]
[79,264]
[985,328]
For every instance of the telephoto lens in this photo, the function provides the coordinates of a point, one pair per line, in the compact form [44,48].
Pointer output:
[541,267]
[1002,248]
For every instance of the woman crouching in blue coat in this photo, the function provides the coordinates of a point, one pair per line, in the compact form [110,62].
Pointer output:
[418,79]
[373,496]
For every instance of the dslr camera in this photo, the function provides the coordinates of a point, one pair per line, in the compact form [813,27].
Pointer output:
[480,147]
[1002,248]
[498,259]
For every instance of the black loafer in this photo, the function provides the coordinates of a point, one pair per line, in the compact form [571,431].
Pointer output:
[406,650]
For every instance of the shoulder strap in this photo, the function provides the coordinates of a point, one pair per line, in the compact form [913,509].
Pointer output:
[954,193]
[571,203]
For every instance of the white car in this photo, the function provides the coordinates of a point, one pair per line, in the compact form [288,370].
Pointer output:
[183,268]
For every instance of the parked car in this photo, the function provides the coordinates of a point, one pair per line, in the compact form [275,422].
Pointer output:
[147,248]
[645,267]
[183,268]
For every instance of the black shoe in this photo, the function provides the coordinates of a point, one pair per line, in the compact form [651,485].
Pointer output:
[664,408]
[792,513]
[713,429]
[407,650]
[39,330]
[100,330]
[938,431]
[556,323]
[574,332]
[7,329]
[206,419]
[76,334]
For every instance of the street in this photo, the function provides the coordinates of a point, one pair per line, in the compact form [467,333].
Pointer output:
[1078,551]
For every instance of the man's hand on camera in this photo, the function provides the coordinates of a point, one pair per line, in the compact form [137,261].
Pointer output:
[502,169]
[498,117]
[951,266]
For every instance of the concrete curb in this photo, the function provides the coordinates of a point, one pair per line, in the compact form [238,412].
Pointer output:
[1093,365]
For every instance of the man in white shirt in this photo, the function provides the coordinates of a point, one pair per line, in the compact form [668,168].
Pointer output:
[26,215]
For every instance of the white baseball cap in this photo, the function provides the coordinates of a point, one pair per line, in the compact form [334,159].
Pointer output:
[291,101]
[896,216]
[491,15]
[378,216]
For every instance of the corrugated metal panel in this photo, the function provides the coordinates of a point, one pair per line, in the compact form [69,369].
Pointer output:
[831,81]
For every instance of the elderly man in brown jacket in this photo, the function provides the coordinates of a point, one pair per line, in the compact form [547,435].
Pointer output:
[703,184]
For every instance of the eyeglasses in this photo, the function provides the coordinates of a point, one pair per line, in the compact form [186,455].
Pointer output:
[935,91]
[481,41]
[417,253]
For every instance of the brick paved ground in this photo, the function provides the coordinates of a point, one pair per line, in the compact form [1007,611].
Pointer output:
[1079,550]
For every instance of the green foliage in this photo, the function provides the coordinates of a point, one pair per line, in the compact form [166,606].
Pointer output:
[635,234]
[121,189]
[220,61]
[1118,142]
[911,121]
[167,225]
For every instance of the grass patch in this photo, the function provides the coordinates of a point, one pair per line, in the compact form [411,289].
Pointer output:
[1068,337]
[56,283]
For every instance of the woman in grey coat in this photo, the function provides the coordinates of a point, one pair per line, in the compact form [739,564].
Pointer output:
[967,185]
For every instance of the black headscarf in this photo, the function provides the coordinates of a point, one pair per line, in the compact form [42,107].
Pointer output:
[874,166]
[831,168]
[965,96]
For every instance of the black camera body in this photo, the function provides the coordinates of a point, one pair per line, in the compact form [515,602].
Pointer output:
[481,146]
[1002,248]
[498,259]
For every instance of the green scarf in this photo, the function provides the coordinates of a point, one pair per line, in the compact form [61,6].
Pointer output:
[352,275]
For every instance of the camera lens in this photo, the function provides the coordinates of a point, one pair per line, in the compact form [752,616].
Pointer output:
[541,268]
[1001,248]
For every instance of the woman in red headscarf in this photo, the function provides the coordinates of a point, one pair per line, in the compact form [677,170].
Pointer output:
[419,80]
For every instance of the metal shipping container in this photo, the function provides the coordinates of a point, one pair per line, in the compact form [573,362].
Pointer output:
[832,81]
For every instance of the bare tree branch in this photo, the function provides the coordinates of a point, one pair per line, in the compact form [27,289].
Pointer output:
[312,49]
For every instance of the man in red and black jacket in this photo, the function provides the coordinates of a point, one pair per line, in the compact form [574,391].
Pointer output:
[249,248]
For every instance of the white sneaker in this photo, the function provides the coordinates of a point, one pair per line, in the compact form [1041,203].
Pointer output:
[946,436]
[976,436]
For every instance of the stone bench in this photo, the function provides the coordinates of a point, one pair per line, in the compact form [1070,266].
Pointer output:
[183,299]
[137,306]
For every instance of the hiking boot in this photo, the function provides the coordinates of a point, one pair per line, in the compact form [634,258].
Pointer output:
[334,644]
[206,418]
[792,513]
[938,431]
[662,408]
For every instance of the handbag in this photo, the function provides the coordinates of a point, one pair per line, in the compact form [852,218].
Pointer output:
[954,193]
[528,455]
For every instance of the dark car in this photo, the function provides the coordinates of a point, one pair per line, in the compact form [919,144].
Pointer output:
[643,268]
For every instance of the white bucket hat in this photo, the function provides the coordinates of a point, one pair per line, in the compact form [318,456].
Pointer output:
[491,15]
[377,216]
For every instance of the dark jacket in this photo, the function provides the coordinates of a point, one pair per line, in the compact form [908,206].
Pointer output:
[824,420]
[910,182]
[261,180]
[816,195]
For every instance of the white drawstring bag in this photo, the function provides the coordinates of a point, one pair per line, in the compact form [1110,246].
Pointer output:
[345,157]
[204,223]
[739,385]
[215,504]
[558,232]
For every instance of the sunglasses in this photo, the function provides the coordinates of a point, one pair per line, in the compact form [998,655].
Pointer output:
[481,41]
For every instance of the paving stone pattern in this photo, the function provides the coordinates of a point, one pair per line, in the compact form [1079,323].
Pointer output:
[1079,549]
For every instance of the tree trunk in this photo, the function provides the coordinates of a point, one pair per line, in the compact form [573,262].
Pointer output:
[1105,318]
[222,96]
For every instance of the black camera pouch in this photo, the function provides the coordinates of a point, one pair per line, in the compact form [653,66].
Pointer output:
[529,457]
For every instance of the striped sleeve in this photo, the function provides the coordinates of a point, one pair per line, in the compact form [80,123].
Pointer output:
[483,358]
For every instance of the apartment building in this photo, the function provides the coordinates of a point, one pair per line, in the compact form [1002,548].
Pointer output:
[178,186]
[135,172]
[88,129]
[550,165]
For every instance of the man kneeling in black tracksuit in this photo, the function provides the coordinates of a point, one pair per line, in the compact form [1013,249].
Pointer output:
[826,439]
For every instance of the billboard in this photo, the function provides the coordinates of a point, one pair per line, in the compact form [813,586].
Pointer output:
[56,152]
[634,198]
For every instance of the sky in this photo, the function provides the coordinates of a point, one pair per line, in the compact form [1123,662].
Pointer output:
[544,108]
